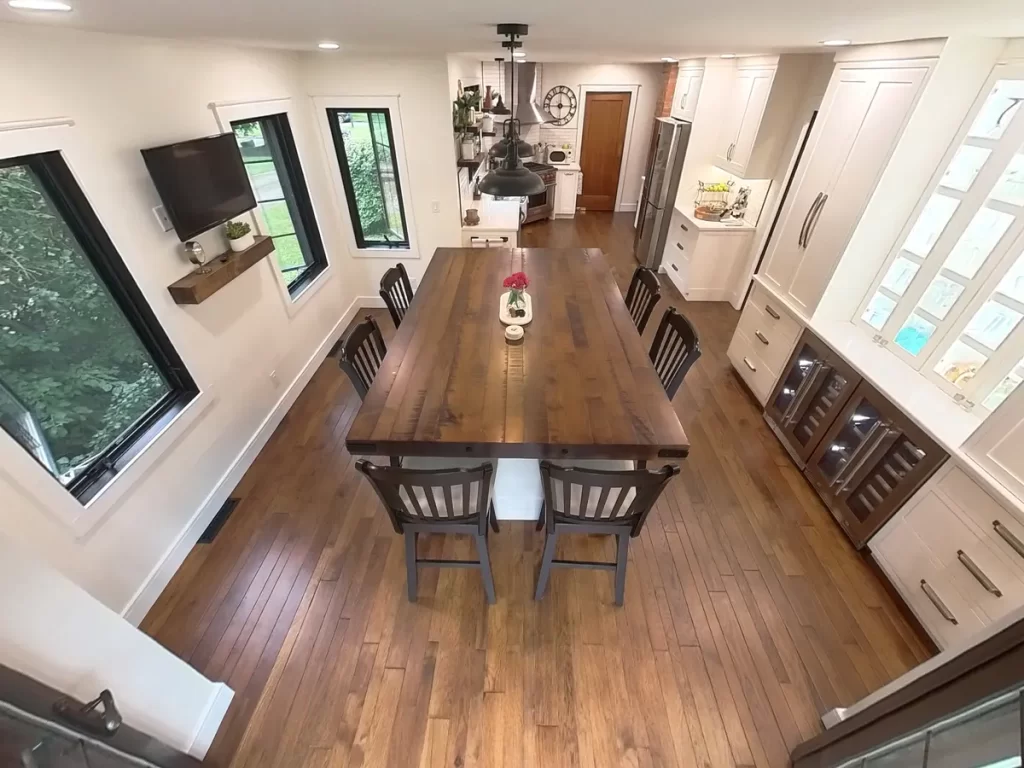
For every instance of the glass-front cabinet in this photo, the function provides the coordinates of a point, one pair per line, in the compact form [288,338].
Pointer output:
[869,462]
[810,394]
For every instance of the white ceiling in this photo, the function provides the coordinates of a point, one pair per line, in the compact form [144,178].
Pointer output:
[606,30]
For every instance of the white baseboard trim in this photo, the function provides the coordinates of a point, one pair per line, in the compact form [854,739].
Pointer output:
[202,739]
[146,595]
[628,206]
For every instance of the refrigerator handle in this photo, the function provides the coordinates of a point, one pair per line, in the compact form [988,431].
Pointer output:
[807,217]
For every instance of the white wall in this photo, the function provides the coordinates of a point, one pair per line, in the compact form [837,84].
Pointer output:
[125,94]
[56,633]
[647,76]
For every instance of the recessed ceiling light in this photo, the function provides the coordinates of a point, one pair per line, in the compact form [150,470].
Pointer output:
[520,54]
[836,42]
[668,59]
[328,46]
[728,56]
[39,5]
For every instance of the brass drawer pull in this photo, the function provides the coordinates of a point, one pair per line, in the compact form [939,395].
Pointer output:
[761,338]
[772,312]
[1008,537]
[683,227]
[750,365]
[680,247]
[977,573]
[937,602]
[674,267]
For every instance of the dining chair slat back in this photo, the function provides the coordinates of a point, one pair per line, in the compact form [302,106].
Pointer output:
[396,290]
[674,350]
[362,354]
[643,295]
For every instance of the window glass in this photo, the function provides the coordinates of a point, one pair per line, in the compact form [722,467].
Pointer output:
[964,167]
[272,164]
[915,333]
[1010,187]
[978,241]
[1005,388]
[899,276]
[363,140]
[75,377]
[992,324]
[930,224]
[878,310]
[960,364]
[1012,284]
[940,296]
[999,109]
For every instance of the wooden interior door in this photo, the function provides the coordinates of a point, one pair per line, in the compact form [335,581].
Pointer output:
[605,118]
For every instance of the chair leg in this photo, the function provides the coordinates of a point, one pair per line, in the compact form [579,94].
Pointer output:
[410,564]
[540,520]
[620,568]
[485,568]
[492,518]
[395,461]
[545,565]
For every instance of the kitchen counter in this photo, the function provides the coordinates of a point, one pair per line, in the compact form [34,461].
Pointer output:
[494,214]
[714,226]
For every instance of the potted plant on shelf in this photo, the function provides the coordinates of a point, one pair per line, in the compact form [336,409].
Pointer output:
[239,235]
[462,119]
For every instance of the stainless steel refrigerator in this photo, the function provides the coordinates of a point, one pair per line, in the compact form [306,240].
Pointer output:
[664,166]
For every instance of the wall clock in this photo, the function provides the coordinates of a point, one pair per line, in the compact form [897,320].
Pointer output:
[560,104]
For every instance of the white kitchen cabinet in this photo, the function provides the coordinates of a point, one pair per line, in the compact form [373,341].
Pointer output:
[705,265]
[944,553]
[763,341]
[862,116]
[688,82]
[762,103]
[566,187]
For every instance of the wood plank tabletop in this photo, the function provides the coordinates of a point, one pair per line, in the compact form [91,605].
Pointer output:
[581,384]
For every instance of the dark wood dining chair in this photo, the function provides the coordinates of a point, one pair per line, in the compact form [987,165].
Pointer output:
[396,290]
[675,348]
[643,295]
[592,501]
[456,501]
[362,354]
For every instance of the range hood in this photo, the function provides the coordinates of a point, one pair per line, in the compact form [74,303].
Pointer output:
[525,103]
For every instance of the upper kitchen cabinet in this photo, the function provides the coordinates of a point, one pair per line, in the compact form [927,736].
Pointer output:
[763,103]
[688,82]
[862,116]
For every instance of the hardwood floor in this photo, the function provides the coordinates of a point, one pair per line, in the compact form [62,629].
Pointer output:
[747,613]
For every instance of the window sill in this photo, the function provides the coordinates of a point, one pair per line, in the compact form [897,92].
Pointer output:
[294,302]
[41,488]
[385,253]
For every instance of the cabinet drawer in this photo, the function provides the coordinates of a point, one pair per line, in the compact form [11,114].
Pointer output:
[683,232]
[489,238]
[770,337]
[755,372]
[968,562]
[907,560]
[778,323]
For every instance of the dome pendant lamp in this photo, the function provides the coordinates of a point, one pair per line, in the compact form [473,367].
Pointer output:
[511,178]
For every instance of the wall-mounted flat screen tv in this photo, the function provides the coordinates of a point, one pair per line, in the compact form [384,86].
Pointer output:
[202,182]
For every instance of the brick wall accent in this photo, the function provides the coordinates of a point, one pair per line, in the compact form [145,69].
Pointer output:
[669,71]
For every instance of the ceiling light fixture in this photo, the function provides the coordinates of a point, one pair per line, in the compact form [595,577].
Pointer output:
[519,54]
[511,178]
[328,46]
[669,60]
[727,56]
[836,42]
[39,5]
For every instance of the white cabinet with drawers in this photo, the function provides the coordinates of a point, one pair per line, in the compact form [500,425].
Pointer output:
[763,342]
[569,181]
[489,238]
[956,555]
[705,264]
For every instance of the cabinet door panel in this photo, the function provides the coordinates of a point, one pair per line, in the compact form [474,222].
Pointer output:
[851,185]
[750,122]
[808,357]
[870,462]
[826,397]
[742,86]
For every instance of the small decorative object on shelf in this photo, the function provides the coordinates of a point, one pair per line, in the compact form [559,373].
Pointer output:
[197,256]
[712,200]
[472,217]
[239,235]
[516,306]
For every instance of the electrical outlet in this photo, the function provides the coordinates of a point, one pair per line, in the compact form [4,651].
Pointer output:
[436,206]
[162,218]
[274,379]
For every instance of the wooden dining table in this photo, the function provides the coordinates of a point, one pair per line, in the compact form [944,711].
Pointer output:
[579,386]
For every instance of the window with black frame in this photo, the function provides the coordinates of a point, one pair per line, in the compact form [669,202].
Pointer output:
[87,376]
[365,145]
[272,163]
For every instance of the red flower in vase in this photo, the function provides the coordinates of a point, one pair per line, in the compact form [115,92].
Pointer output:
[517,281]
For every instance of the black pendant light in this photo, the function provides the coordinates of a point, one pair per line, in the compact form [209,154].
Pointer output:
[500,148]
[510,178]
[500,108]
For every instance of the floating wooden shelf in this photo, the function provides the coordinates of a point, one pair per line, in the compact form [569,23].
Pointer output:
[473,164]
[197,287]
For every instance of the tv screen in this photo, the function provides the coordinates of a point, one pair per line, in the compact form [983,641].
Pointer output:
[202,182]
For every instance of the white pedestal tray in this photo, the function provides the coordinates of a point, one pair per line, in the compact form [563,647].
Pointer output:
[506,317]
